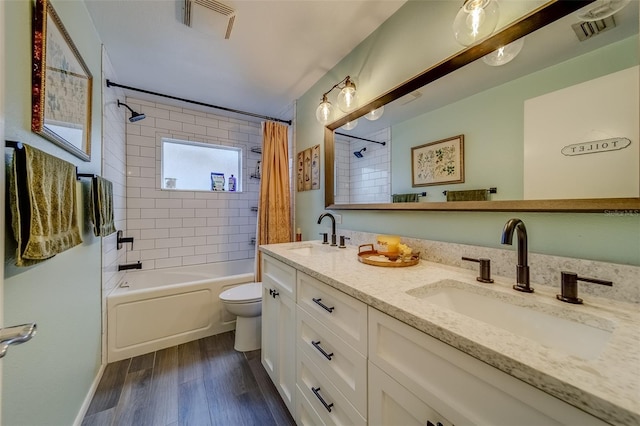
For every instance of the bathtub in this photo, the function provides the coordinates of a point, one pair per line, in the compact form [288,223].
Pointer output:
[156,309]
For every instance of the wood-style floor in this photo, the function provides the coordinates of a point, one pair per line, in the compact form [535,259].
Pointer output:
[204,382]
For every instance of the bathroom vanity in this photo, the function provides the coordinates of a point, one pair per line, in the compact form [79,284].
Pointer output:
[360,344]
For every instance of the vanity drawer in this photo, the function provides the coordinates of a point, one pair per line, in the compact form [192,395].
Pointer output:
[339,312]
[342,364]
[460,387]
[277,275]
[331,406]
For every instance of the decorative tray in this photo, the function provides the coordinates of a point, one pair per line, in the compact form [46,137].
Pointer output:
[375,258]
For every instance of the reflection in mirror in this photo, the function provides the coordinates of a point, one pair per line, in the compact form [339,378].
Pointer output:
[464,102]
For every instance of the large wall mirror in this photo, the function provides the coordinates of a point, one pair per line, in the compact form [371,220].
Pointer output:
[500,110]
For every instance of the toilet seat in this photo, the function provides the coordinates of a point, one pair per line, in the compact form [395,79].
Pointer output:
[245,293]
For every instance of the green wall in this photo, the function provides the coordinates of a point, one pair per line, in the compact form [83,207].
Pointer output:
[46,380]
[399,49]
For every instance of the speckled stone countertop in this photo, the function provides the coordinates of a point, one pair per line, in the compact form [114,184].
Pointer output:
[606,385]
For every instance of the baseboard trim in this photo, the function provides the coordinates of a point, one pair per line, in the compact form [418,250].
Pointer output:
[89,397]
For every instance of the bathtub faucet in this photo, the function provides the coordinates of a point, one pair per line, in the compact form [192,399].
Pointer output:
[130,266]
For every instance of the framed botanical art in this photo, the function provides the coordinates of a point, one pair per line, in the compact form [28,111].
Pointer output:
[61,85]
[438,162]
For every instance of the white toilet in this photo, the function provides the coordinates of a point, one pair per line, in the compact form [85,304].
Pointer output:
[245,301]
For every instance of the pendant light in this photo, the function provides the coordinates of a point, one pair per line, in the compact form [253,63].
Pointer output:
[348,97]
[347,101]
[350,125]
[601,9]
[375,114]
[324,112]
[475,20]
[504,54]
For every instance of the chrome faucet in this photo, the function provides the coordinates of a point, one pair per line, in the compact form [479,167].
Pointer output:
[333,226]
[522,269]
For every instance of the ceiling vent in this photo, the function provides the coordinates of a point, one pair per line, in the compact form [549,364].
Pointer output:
[586,30]
[209,16]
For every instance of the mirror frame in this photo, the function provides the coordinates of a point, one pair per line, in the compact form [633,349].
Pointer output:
[529,23]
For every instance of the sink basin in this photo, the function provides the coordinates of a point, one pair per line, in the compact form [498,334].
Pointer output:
[521,317]
[312,249]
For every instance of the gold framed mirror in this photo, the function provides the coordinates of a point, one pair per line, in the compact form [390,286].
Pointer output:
[539,18]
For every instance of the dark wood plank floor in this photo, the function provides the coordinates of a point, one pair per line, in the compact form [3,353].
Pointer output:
[204,382]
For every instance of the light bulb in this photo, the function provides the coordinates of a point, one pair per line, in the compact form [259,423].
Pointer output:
[601,9]
[504,54]
[475,20]
[350,125]
[324,112]
[348,97]
[375,114]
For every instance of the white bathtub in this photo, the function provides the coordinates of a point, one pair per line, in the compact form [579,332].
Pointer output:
[156,309]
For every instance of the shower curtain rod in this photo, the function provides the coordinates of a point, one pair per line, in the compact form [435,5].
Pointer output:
[362,139]
[149,92]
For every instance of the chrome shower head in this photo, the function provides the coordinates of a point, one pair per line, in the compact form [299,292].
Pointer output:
[135,116]
[358,154]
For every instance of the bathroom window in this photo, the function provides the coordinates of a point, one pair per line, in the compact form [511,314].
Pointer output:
[195,166]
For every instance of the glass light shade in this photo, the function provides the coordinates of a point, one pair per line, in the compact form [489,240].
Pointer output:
[601,9]
[348,98]
[504,54]
[375,114]
[324,112]
[475,20]
[350,125]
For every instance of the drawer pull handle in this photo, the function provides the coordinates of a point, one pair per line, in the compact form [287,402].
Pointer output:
[316,391]
[273,293]
[322,351]
[323,306]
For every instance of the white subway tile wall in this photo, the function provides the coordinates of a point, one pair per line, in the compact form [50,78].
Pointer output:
[113,169]
[175,227]
[366,179]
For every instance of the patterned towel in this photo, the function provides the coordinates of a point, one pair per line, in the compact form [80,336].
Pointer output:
[42,198]
[101,206]
[469,195]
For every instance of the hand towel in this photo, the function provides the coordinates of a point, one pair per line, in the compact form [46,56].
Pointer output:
[101,206]
[405,198]
[468,195]
[42,198]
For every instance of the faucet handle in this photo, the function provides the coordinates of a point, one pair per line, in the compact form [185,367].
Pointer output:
[342,238]
[485,269]
[569,286]
[325,237]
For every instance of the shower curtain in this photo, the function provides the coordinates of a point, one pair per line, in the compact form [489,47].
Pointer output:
[274,204]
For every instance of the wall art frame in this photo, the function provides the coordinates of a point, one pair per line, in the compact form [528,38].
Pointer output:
[61,85]
[439,162]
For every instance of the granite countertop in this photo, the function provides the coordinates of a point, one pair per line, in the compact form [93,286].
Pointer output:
[606,385]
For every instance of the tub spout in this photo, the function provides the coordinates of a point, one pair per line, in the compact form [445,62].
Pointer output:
[130,266]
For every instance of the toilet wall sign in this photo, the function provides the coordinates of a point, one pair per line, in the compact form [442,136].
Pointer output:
[596,147]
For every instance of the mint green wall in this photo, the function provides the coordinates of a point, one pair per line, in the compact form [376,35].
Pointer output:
[494,131]
[46,380]
[399,49]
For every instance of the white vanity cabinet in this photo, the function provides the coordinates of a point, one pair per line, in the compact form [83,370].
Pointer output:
[331,355]
[450,383]
[278,327]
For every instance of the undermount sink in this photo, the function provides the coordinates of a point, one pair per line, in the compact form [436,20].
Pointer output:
[516,315]
[311,249]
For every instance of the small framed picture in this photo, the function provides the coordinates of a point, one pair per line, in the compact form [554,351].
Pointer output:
[438,162]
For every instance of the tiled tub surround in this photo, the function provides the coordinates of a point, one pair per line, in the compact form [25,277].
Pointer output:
[606,386]
[179,228]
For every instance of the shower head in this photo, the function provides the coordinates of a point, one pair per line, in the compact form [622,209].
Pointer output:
[135,116]
[358,154]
